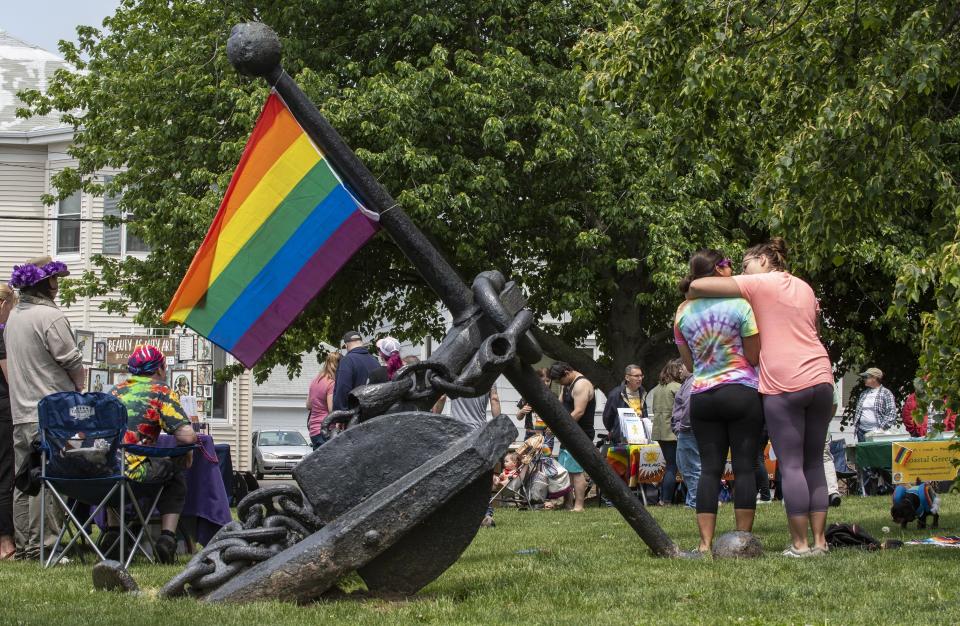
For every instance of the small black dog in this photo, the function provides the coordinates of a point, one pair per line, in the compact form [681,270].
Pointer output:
[916,503]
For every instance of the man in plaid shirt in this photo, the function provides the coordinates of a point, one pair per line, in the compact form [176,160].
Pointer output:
[876,407]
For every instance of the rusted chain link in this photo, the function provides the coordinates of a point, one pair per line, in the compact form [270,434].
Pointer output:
[271,520]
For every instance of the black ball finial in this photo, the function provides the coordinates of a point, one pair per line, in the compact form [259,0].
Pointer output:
[254,49]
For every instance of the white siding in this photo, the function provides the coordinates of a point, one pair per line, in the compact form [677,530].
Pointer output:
[22,182]
[236,429]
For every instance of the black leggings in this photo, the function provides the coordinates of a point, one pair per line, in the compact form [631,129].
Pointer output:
[729,417]
[798,422]
[6,472]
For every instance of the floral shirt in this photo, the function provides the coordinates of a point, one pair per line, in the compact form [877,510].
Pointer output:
[713,329]
[152,408]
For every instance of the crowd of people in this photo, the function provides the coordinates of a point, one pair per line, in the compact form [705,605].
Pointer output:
[751,367]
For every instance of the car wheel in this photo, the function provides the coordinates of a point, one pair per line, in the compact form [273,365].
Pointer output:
[257,472]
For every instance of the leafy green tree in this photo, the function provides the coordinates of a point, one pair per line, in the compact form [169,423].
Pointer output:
[583,148]
[468,112]
[833,124]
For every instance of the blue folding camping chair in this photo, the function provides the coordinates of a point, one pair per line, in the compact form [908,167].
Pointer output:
[82,449]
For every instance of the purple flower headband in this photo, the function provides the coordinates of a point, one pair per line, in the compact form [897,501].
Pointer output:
[29,274]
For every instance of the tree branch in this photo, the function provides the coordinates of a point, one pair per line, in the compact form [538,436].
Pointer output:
[560,350]
[780,32]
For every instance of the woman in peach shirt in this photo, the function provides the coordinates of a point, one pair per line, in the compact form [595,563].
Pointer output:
[796,382]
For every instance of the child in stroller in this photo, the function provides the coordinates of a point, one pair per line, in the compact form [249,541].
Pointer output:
[531,477]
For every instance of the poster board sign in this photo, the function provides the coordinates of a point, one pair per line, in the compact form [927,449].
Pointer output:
[924,460]
[631,426]
[119,348]
[189,404]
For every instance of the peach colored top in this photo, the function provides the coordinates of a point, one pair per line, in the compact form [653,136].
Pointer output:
[791,355]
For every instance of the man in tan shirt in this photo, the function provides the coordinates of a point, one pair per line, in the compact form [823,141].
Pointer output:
[42,358]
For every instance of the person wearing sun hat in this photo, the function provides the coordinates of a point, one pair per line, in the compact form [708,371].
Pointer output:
[42,358]
[876,406]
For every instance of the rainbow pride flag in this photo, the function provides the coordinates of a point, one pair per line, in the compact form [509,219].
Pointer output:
[286,226]
[903,455]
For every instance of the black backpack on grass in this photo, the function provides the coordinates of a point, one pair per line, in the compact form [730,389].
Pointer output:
[850,536]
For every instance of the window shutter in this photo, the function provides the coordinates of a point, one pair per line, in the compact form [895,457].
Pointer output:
[111,234]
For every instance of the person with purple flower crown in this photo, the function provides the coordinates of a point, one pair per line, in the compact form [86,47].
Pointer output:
[42,358]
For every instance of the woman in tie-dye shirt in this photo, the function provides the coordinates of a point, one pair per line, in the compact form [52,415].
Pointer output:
[719,342]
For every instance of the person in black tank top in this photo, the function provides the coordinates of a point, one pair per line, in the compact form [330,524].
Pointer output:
[579,399]
[590,410]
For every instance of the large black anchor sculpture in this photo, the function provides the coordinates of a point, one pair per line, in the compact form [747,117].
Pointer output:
[399,522]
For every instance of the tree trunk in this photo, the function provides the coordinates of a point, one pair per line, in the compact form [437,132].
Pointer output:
[625,336]
[627,343]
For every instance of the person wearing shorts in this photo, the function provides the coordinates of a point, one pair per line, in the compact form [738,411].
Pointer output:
[796,383]
[578,397]
[719,342]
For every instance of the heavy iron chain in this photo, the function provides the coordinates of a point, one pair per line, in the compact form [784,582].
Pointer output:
[273,519]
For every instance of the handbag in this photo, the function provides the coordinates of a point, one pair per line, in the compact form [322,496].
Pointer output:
[558,479]
[27,479]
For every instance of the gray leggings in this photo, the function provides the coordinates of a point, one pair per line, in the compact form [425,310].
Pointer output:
[798,422]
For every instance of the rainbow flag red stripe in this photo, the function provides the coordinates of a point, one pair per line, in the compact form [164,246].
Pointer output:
[286,226]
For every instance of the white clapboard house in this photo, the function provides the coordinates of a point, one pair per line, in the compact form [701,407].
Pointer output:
[32,151]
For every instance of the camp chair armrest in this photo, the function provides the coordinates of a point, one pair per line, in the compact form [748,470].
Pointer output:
[156,451]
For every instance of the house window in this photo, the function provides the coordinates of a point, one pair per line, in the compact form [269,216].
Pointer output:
[219,399]
[118,240]
[68,230]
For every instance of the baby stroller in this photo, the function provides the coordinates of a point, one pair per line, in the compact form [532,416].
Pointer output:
[536,478]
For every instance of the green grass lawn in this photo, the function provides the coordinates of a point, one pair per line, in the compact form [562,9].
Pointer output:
[560,567]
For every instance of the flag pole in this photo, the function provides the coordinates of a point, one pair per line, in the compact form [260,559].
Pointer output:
[254,49]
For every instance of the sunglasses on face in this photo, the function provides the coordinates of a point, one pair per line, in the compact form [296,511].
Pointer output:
[725,263]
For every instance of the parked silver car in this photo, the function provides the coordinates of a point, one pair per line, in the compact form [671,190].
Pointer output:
[278,451]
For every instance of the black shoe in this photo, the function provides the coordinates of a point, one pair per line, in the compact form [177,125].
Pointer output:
[834,499]
[166,549]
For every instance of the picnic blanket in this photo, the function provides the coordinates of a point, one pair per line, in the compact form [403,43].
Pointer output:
[944,541]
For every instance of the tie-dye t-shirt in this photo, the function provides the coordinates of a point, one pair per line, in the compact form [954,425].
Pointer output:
[712,328]
[152,408]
